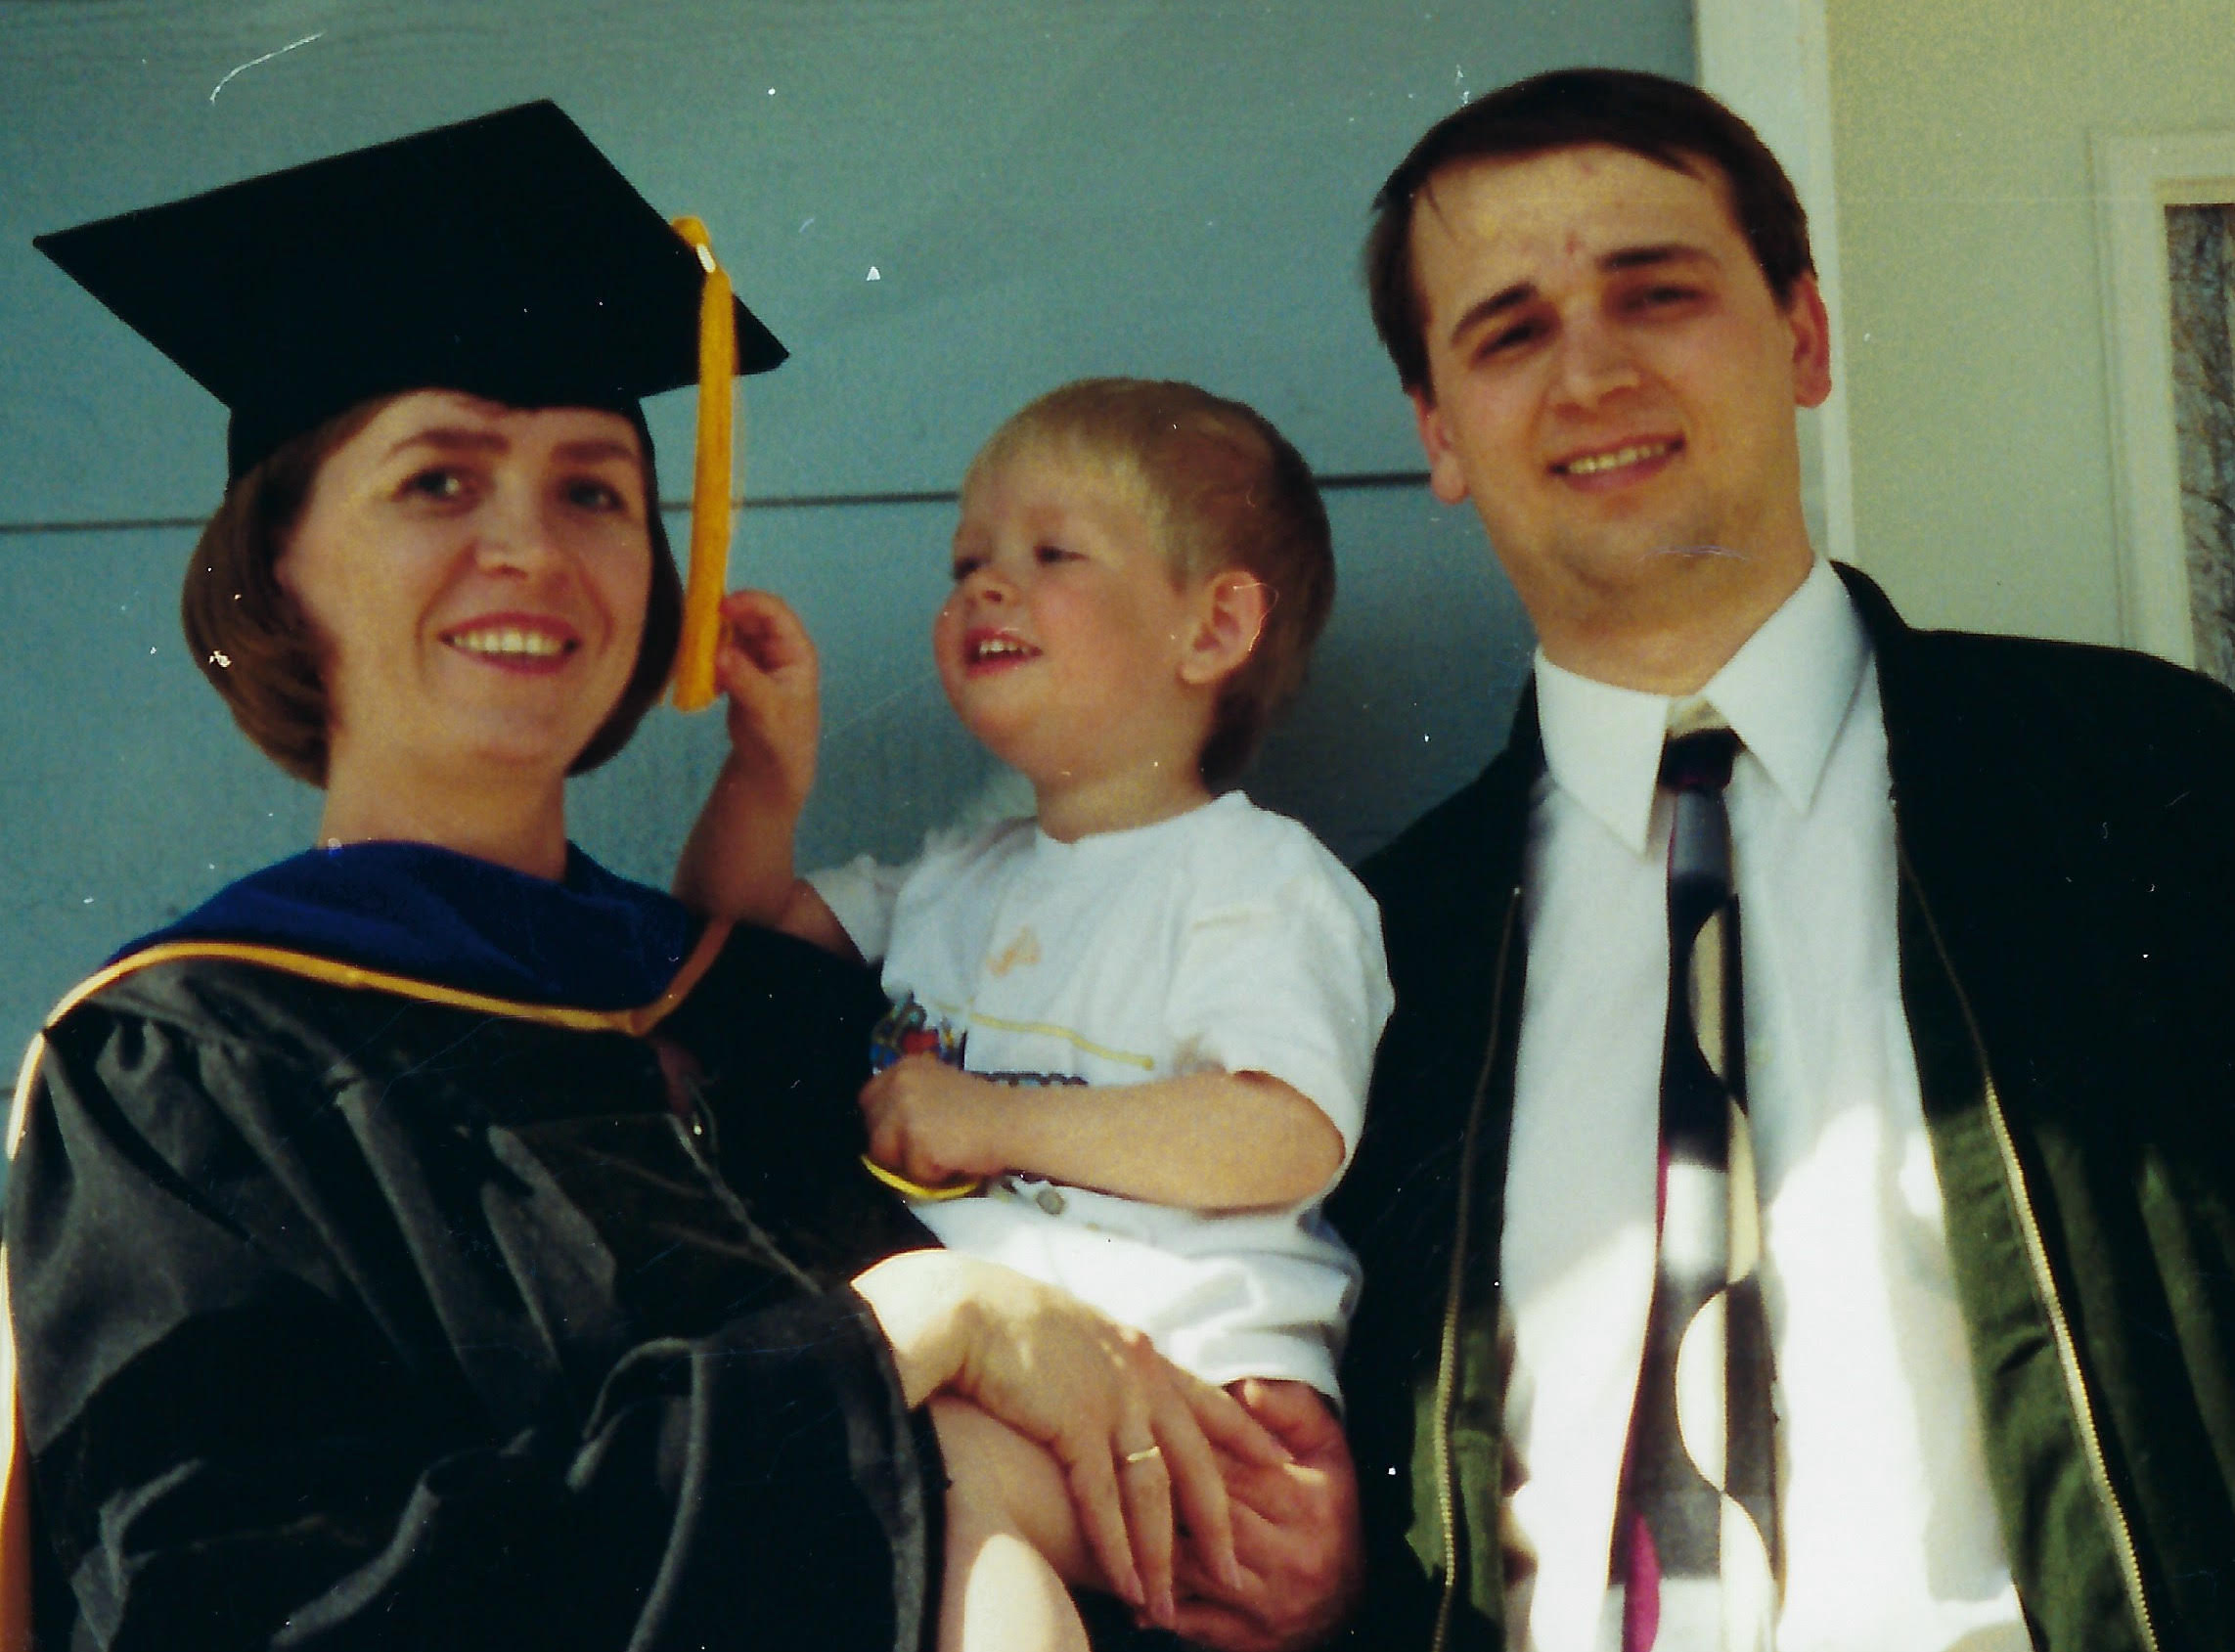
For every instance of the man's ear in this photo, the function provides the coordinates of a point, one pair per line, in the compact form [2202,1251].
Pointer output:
[1227,624]
[1447,481]
[1811,322]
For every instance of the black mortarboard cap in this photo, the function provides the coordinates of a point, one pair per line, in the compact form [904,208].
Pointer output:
[503,256]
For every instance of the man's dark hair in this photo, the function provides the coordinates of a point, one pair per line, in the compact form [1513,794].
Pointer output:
[1666,121]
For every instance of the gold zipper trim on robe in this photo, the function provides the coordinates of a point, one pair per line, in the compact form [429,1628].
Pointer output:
[634,1022]
[1448,1351]
[2044,1282]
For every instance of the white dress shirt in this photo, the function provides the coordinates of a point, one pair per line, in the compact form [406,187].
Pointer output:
[1890,1540]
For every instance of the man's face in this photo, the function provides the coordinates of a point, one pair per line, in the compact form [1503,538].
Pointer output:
[1614,387]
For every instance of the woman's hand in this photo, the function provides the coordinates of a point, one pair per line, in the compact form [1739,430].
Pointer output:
[1138,1440]
[1296,1534]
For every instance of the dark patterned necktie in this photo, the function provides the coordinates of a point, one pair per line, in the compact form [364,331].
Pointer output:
[1695,1543]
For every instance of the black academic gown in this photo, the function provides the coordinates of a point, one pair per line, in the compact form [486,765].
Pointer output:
[353,1314]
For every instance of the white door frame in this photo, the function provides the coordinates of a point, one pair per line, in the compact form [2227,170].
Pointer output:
[2136,178]
[1770,60]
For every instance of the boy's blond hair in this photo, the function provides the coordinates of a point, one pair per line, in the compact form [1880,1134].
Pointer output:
[1220,488]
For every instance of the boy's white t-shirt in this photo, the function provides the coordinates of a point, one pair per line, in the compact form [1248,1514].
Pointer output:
[1227,937]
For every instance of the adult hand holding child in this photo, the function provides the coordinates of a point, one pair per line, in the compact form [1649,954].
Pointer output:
[1138,1440]
[1296,1534]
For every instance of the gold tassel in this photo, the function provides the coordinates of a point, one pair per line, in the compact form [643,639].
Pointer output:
[710,479]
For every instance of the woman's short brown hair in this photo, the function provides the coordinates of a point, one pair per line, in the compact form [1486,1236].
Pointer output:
[258,650]
[1220,488]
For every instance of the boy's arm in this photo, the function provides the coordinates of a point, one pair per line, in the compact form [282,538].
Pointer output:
[1205,1140]
[737,862]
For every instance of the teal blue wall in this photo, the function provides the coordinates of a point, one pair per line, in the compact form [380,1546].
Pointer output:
[1046,188]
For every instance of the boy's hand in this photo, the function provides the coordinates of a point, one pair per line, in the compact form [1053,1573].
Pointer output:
[737,861]
[935,1124]
[766,665]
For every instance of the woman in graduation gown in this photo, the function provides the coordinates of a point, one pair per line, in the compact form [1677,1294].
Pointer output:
[435,1240]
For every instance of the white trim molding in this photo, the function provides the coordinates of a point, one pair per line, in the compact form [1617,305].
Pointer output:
[1770,60]
[2136,178]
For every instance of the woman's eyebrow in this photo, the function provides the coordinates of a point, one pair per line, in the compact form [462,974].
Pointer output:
[448,439]
[595,448]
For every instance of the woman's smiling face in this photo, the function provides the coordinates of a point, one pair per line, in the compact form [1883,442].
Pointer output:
[478,576]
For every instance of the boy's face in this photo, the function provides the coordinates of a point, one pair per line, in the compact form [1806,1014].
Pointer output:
[1064,642]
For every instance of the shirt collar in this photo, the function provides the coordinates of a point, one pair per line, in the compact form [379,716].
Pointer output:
[1785,692]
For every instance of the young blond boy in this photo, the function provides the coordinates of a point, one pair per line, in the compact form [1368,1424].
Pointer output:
[1142,1022]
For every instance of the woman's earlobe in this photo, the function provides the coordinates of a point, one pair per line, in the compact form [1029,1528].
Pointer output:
[1238,606]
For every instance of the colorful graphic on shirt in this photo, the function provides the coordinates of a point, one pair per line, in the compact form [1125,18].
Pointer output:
[910,1029]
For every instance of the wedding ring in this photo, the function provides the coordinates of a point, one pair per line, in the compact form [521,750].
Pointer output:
[1142,1455]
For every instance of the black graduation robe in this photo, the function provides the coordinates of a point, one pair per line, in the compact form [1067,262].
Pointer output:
[353,1312]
